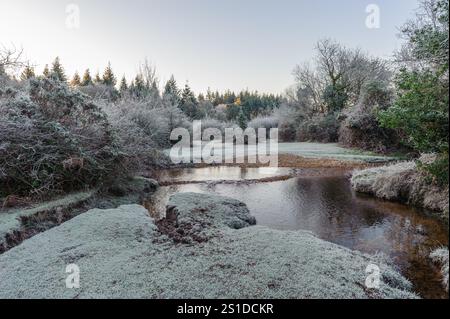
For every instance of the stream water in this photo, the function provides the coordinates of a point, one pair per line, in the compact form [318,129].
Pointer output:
[328,207]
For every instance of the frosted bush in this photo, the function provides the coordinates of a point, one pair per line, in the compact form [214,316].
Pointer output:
[266,122]
[54,139]
[143,127]
[320,128]
[100,92]
[289,118]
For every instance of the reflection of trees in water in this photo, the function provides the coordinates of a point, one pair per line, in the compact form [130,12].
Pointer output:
[336,217]
[327,207]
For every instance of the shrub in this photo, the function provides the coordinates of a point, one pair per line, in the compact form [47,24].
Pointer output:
[266,122]
[289,118]
[54,139]
[437,169]
[320,128]
[100,92]
[143,127]
[361,127]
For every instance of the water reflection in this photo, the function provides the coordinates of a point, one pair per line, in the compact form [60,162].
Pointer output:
[215,173]
[329,208]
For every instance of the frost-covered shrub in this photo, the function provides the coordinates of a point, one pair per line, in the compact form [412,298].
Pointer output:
[210,123]
[53,139]
[403,182]
[266,122]
[143,128]
[320,128]
[361,127]
[440,256]
[289,119]
[6,81]
[100,92]
[213,123]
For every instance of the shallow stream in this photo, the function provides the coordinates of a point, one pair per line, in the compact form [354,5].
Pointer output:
[326,205]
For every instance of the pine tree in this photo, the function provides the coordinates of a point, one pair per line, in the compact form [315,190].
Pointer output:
[27,73]
[87,79]
[242,120]
[97,79]
[46,71]
[139,87]
[154,90]
[189,102]
[188,96]
[209,95]
[171,92]
[76,81]
[131,87]
[123,86]
[58,70]
[108,76]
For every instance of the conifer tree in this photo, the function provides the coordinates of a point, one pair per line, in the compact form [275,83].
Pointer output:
[97,78]
[189,102]
[87,79]
[58,70]
[76,81]
[139,86]
[171,92]
[209,95]
[123,86]
[242,120]
[46,71]
[188,96]
[154,90]
[27,73]
[108,76]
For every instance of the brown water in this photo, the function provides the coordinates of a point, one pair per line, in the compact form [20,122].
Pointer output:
[328,207]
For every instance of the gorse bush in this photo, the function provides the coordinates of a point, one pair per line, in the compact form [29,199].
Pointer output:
[54,139]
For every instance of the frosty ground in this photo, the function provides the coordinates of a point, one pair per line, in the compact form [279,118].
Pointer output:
[214,252]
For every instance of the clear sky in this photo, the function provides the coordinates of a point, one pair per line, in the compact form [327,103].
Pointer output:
[222,44]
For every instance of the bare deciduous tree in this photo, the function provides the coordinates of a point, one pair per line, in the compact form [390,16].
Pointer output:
[336,65]
[10,58]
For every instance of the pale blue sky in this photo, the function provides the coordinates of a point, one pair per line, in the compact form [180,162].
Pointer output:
[223,44]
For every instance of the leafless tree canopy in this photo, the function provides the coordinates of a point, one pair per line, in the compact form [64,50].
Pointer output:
[10,58]
[335,64]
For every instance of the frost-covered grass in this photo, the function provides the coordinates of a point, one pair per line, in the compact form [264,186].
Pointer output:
[329,150]
[11,221]
[402,182]
[19,224]
[440,256]
[121,254]
[303,149]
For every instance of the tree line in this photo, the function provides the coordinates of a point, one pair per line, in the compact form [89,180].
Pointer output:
[244,104]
